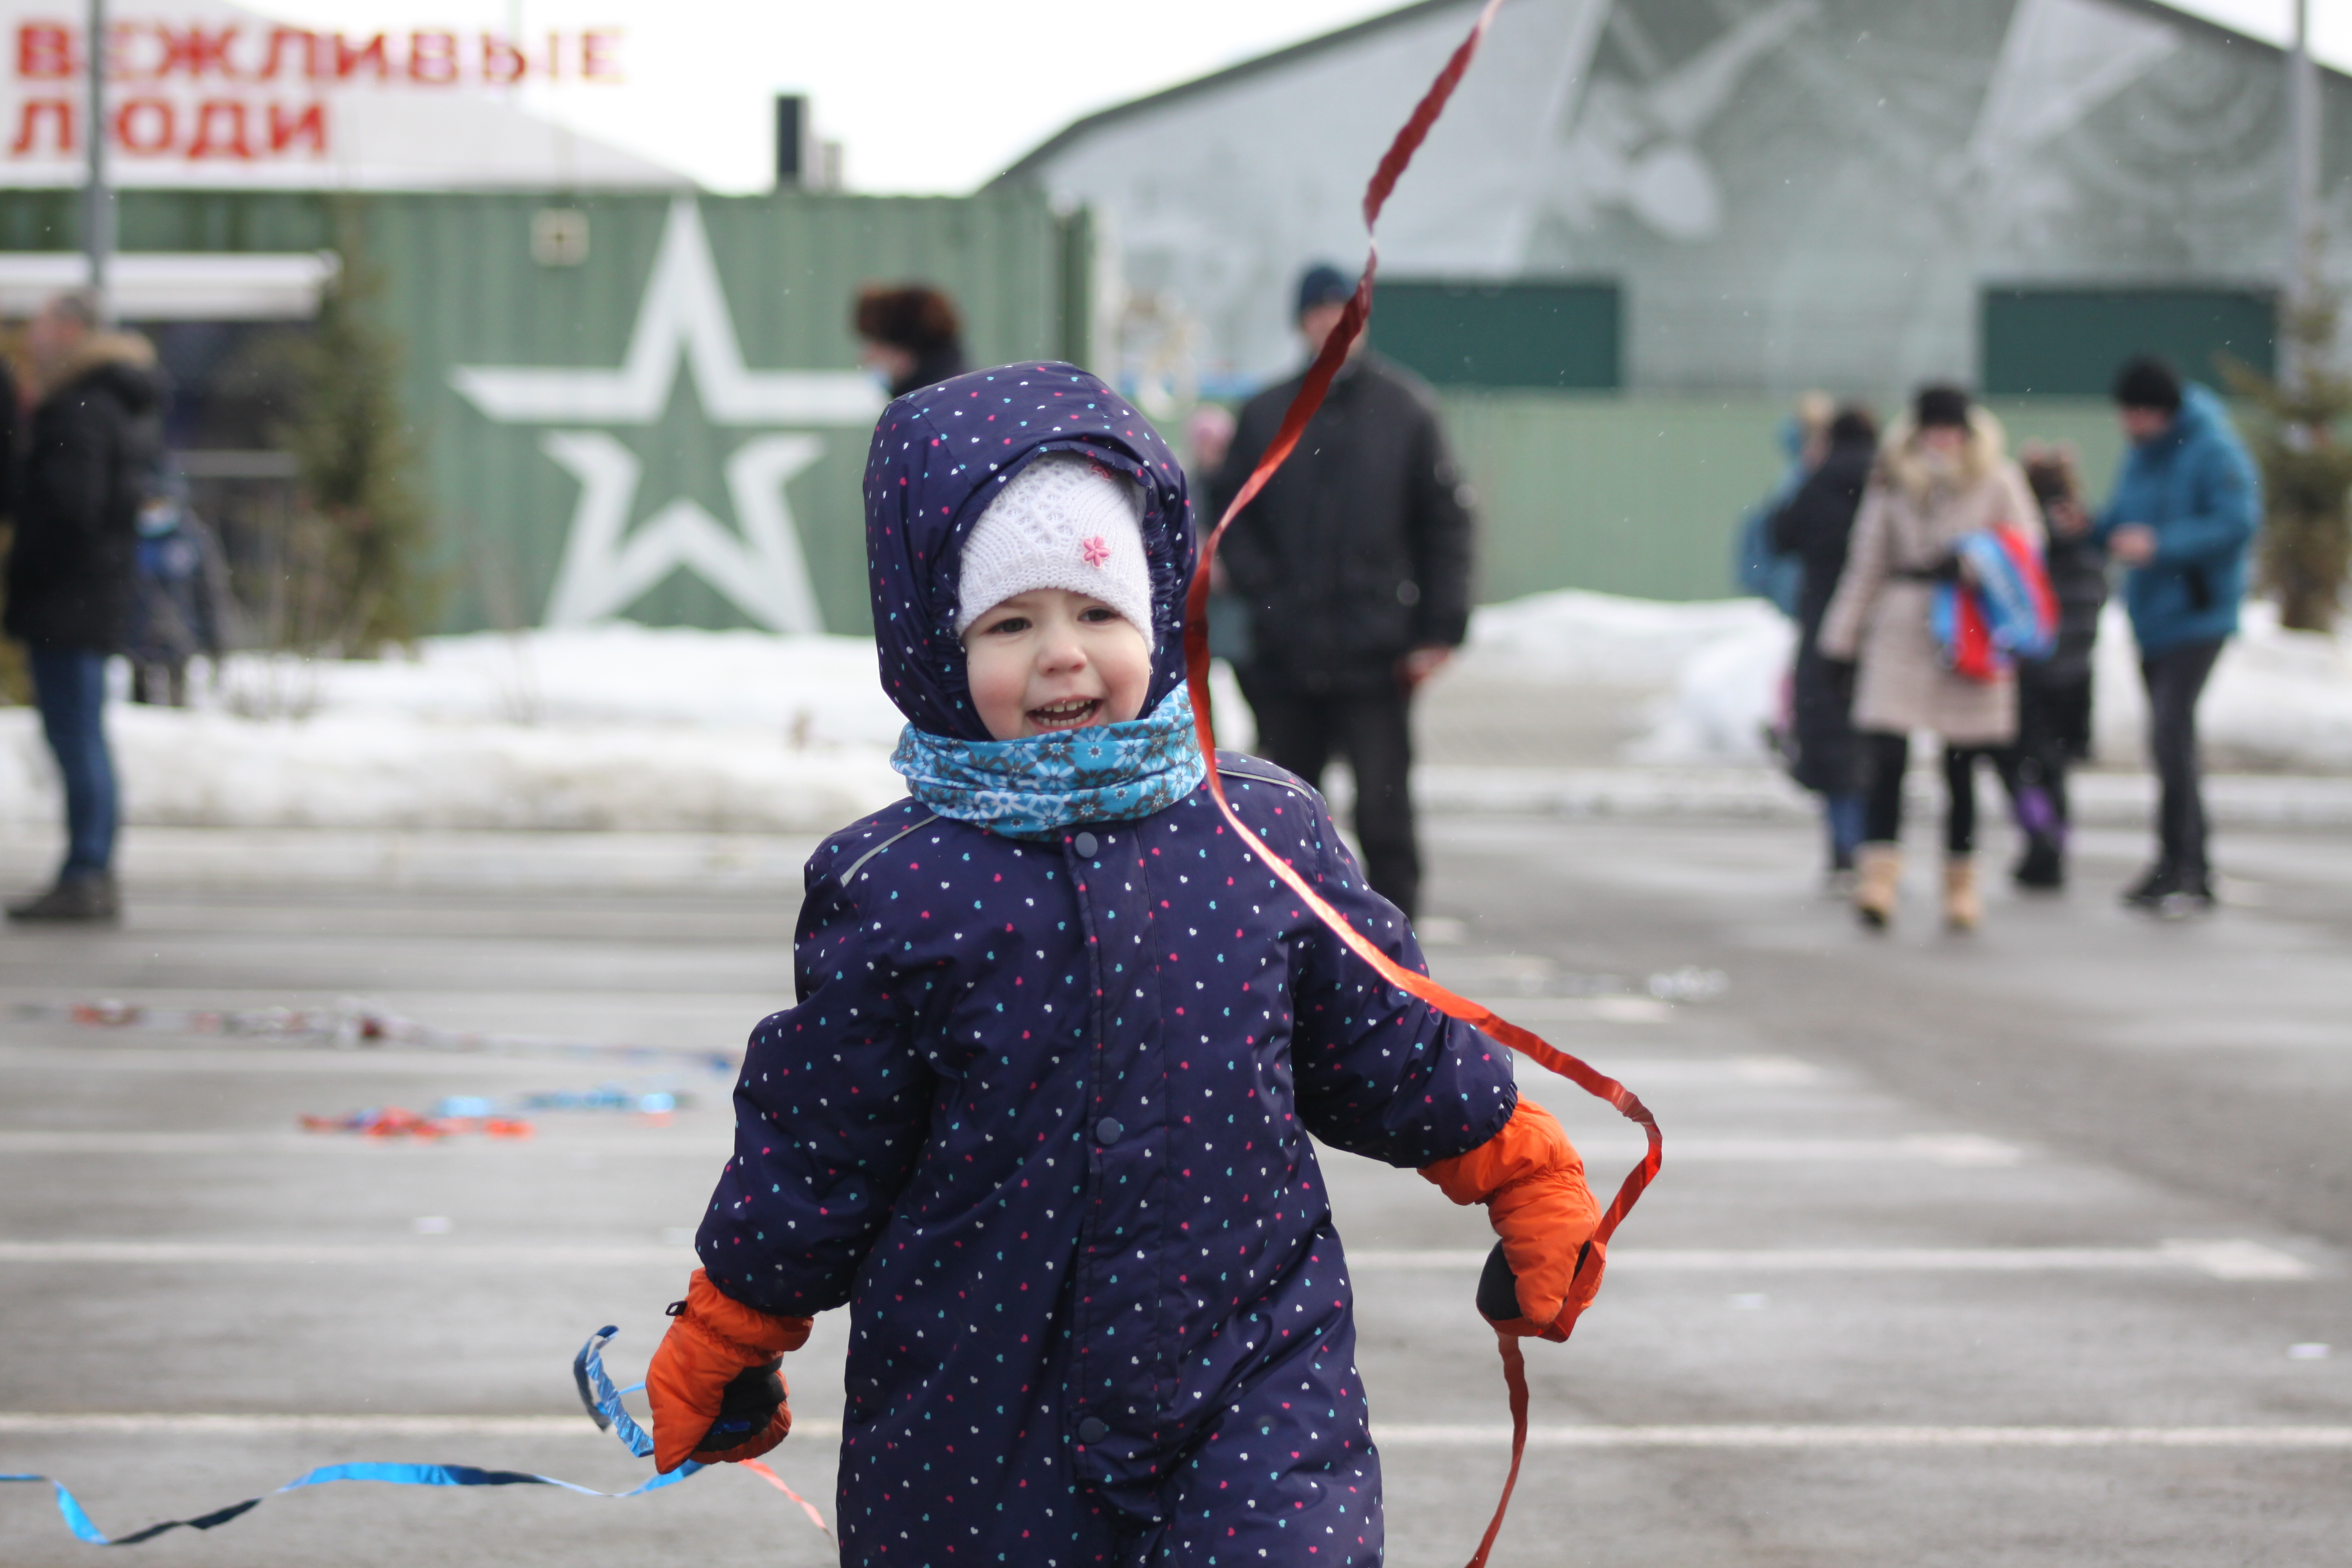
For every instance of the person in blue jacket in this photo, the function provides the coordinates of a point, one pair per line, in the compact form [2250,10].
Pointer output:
[2182,520]
[1041,1117]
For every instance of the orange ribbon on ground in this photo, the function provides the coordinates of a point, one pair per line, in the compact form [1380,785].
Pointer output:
[1196,655]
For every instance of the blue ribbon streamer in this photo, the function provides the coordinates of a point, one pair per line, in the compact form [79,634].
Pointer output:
[596,1392]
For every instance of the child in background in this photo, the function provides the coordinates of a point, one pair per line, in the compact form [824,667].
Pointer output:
[1041,1116]
[2054,694]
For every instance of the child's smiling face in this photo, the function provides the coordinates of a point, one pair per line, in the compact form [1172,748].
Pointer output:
[1049,660]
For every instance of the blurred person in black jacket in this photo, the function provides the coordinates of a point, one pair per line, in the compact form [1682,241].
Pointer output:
[1813,526]
[1354,566]
[2054,694]
[90,453]
[909,333]
[8,411]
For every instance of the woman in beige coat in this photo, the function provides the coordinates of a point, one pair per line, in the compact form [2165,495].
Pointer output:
[1941,474]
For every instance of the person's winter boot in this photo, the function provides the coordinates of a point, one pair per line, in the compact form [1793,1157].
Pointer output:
[2042,866]
[2193,896]
[87,896]
[2150,891]
[1878,879]
[2173,893]
[1963,909]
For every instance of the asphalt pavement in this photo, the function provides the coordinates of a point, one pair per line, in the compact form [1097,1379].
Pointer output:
[2028,1246]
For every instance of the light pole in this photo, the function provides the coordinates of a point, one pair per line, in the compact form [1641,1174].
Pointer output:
[2302,195]
[97,198]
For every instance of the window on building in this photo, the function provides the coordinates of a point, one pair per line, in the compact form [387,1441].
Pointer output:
[1502,335]
[2067,343]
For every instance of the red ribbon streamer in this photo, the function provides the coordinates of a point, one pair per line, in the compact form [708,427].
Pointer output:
[1196,655]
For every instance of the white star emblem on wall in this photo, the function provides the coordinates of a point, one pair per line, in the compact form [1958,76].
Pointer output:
[683,317]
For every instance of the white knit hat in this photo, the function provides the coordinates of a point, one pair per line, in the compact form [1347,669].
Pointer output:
[1064,522]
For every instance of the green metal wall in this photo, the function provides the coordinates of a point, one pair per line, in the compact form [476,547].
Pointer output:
[1557,336]
[173,220]
[1633,495]
[2069,341]
[463,289]
[457,286]
[1642,495]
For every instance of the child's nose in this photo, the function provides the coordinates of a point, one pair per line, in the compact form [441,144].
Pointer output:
[1064,650]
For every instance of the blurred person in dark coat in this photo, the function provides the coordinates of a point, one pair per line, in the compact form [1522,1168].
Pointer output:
[2054,694]
[1813,527]
[909,333]
[9,419]
[92,448]
[1354,563]
[2182,521]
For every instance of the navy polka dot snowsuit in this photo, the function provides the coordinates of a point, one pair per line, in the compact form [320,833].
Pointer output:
[1041,1116]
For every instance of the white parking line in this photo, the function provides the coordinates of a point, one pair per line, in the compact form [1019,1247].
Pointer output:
[576,1424]
[404,1253]
[1954,1149]
[2220,1259]
[1957,1149]
[2223,1259]
[714,1143]
[1391,1434]
[1411,1436]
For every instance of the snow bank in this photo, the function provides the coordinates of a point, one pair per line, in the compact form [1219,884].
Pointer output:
[2279,700]
[813,690]
[1602,640]
[622,727]
[363,769]
[611,727]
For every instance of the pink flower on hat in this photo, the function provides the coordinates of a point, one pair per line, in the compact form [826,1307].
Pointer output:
[1097,549]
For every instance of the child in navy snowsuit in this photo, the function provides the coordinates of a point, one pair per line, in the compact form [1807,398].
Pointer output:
[1041,1116]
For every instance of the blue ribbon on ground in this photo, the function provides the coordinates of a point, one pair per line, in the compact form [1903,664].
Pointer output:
[596,1392]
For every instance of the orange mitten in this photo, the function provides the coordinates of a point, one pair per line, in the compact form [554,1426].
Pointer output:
[718,1357]
[1532,1180]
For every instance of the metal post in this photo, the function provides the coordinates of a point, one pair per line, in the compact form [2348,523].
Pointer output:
[97,199]
[2302,187]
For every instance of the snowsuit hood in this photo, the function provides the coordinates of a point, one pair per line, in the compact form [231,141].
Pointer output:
[938,457]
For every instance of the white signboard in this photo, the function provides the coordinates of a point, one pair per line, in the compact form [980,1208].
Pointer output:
[209,95]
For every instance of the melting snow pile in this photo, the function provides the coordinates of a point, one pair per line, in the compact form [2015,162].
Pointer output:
[617,726]
[2279,700]
[621,726]
[1601,639]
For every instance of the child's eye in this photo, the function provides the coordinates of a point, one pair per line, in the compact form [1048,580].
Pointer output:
[1098,612]
[1009,625]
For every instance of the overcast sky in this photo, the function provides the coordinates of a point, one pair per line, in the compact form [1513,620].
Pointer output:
[932,95]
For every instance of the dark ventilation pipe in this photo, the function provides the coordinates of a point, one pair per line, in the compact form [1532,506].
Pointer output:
[791,140]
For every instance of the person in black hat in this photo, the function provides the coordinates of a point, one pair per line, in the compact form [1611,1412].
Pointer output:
[1354,565]
[2182,519]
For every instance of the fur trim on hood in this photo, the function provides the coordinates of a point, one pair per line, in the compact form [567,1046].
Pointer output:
[1900,465]
[100,352]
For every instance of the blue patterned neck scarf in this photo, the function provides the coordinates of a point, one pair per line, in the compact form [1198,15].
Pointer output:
[1033,787]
